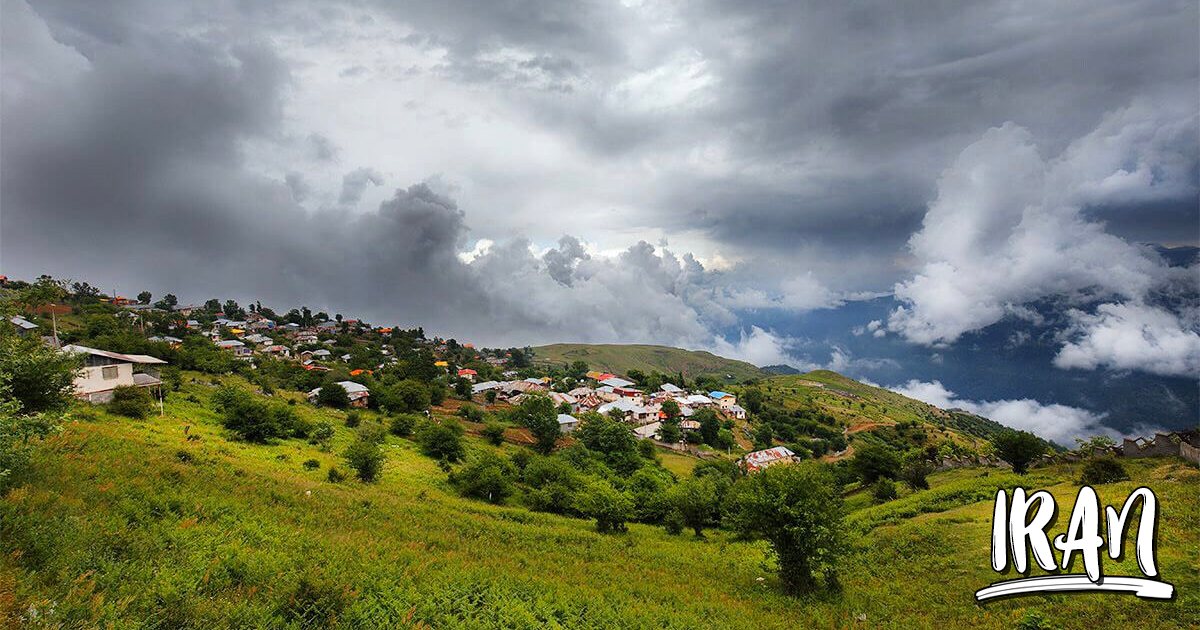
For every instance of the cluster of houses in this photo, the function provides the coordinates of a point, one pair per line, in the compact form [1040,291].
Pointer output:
[608,394]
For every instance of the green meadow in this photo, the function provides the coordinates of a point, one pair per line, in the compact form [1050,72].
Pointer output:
[168,523]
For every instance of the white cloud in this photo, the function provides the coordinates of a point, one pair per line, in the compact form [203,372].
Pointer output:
[1058,423]
[1131,337]
[759,347]
[1008,228]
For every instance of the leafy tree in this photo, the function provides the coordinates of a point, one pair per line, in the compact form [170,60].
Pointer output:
[764,436]
[494,433]
[402,425]
[709,425]
[578,369]
[1099,470]
[131,402]
[251,418]
[168,303]
[671,409]
[487,476]
[669,431]
[637,376]
[441,440]
[366,458]
[752,399]
[35,387]
[552,482]
[797,509]
[610,507]
[647,488]
[872,461]
[537,413]
[1019,448]
[696,502]
[883,490]
[613,440]
[915,470]
[144,297]
[411,396]
[333,395]
[38,377]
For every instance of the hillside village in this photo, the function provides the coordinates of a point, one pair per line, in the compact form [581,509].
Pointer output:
[195,404]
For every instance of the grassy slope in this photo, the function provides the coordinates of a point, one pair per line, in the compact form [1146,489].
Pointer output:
[620,359]
[859,406]
[114,525]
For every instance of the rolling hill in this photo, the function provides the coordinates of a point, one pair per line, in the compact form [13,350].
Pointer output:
[620,358]
[168,523]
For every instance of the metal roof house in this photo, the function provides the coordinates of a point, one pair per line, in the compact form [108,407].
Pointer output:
[104,371]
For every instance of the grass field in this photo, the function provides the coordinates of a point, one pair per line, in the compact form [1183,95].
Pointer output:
[620,358]
[132,524]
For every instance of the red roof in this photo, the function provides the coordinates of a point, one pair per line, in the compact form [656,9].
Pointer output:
[606,376]
[467,372]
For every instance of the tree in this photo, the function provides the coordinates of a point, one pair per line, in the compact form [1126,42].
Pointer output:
[537,413]
[144,297]
[441,440]
[914,470]
[488,477]
[168,303]
[797,509]
[366,458]
[411,396]
[710,426]
[669,431]
[1019,448]
[883,490]
[578,369]
[872,461]
[333,395]
[250,418]
[130,401]
[610,507]
[670,408]
[493,432]
[752,400]
[696,502]
[35,388]
[212,305]
[1099,470]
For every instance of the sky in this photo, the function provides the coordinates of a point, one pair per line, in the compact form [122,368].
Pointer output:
[657,172]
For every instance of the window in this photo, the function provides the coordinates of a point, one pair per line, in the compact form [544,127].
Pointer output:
[109,372]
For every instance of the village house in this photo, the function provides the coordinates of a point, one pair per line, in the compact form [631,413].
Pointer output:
[479,388]
[648,431]
[723,400]
[567,423]
[175,342]
[689,425]
[24,326]
[276,350]
[696,400]
[239,349]
[356,392]
[736,411]
[671,389]
[617,383]
[104,371]
[468,374]
[765,458]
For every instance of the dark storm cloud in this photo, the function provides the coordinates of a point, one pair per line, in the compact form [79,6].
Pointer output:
[804,140]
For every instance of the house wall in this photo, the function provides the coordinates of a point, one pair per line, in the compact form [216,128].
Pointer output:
[91,385]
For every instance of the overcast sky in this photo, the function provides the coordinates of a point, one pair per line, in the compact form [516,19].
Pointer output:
[523,172]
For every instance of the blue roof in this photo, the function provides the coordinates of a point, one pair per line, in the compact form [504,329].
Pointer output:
[716,395]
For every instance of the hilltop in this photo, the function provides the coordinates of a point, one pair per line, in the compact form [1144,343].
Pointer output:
[621,358]
[169,522]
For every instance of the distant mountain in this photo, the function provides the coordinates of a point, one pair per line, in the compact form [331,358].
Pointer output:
[620,358]
[781,370]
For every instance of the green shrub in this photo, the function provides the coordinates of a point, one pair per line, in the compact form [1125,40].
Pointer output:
[1102,470]
[131,401]
[311,464]
[402,425]
[441,440]
[365,457]
[471,412]
[315,602]
[883,490]
[335,475]
[353,419]
[609,506]
[494,433]
[333,395]
[488,477]
[372,432]
[321,433]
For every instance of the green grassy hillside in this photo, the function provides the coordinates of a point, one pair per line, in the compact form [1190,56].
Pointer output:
[620,359]
[168,523]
